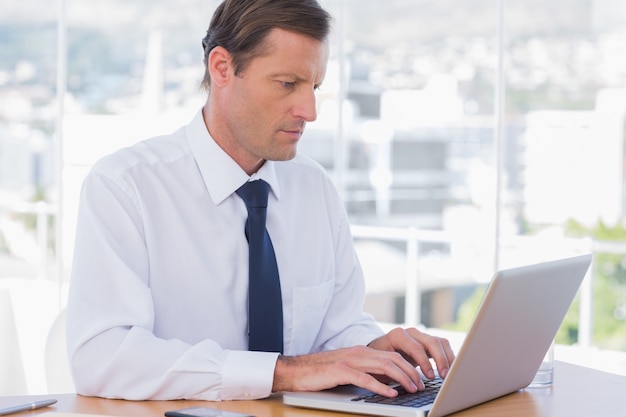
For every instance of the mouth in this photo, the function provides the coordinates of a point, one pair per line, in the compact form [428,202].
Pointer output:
[293,133]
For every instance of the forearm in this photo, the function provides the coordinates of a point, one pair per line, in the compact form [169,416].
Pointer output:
[134,365]
[311,372]
[130,364]
[301,373]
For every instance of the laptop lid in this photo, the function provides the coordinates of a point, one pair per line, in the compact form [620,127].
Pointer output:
[516,322]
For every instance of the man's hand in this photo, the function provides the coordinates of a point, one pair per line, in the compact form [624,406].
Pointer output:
[417,347]
[390,357]
[359,365]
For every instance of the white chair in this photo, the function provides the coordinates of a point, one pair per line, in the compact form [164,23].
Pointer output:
[58,376]
[12,376]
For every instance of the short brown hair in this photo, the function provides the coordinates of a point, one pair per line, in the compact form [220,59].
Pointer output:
[241,26]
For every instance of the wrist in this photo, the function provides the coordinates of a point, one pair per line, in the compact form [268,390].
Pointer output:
[283,380]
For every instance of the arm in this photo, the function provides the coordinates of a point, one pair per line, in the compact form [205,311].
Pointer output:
[390,357]
[346,330]
[112,346]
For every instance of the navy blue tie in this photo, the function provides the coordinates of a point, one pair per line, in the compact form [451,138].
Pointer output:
[265,306]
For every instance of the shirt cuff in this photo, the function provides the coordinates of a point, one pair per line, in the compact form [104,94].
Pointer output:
[248,375]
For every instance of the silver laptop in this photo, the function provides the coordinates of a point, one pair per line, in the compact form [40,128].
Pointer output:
[519,316]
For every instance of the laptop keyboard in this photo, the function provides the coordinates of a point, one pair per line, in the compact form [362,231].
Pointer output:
[404,398]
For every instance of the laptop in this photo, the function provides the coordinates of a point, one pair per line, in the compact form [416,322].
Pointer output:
[518,318]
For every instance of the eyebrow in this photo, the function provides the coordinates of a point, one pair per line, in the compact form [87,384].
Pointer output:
[295,77]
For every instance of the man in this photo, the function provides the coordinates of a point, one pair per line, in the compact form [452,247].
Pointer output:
[158,305]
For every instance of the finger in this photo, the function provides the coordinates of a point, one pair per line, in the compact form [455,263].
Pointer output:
[438,353]
[396,367]
[389,365]
[449,354]
[370,383]
[363,370]
[431,347]
[411,343]
[443,355]
[405,342]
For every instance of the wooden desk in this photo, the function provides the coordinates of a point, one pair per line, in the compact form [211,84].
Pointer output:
[577,391]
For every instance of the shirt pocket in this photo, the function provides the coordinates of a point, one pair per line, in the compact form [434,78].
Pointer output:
[310,305]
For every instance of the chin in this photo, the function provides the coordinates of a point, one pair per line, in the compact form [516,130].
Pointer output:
[284,158]
[287,155]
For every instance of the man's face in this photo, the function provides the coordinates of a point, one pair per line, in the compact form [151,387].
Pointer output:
[270,101]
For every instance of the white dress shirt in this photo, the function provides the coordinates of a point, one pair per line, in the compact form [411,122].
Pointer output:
[158,297]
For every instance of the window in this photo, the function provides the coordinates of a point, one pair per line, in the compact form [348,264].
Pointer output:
[463,136]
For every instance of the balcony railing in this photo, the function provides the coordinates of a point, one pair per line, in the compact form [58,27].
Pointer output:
[417,245]
[413,239]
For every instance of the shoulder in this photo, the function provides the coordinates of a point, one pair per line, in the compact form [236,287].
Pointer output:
[145,154]
[306,178]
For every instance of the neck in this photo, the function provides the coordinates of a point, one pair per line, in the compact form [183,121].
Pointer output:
[225,141]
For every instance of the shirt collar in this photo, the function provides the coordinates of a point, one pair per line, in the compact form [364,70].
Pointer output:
[221,174]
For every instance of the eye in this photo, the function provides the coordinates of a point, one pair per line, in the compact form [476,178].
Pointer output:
[290,85]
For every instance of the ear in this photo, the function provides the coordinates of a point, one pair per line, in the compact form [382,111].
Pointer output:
[219,65]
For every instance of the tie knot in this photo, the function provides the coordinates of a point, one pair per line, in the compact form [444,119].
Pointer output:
[254,193]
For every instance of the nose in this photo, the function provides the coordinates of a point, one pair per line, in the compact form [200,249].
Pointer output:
[305,107]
